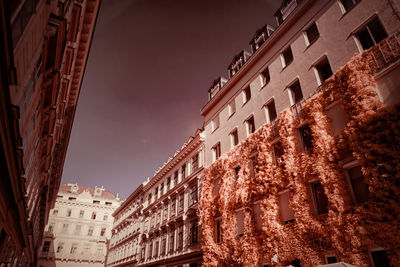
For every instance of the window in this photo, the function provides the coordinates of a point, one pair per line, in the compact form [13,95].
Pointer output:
[323,70]
[149,197]
[193,194]
[64,229]
[150,250]
[234,138]
[51,228]
[380,258]
[108,203]
[195,162]
[218,231]
[162,188]
[194,228]
[46,246]
[74,248]
[215,123]
[156,192]
[246,95]
[156,249]
[103,231]
[311,34]
[278,153]
[81,213]
[173,207]
[93,215]
[96,201]
[306,137]
[287,215]
[163,245]
[239,215]
[320,199]
[90,231]
[105,217]
[236,173]
[254,164]
[295,93]
[231,108]
[330,259]
[346,5]
[286,57]
[181,201]
[59,197]
[176,174]
[265,76]
[78,229]
[55,212]
[360,188]
[172,240]
[69,211]
[183,171]
[168,183]
[250,126]
[371,34]
[72,198]
[216,151]
[270,111]
[60,247]
[165,213]
[180,236]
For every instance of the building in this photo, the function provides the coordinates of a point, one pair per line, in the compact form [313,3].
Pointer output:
[301,166]
[79,227]
[44,48]
[158,225]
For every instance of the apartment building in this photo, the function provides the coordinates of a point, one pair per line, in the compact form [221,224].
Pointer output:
[293,164]
[44,48]
[79,226]
[157,225]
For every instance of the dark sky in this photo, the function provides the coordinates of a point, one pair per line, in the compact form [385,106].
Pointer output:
[150,65]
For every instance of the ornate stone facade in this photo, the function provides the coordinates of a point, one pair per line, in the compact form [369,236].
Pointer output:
[79,227]
[44,51]
[157,225]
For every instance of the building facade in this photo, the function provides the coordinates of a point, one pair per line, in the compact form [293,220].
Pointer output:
[79,227]
[44,49]
[158,225]
[300,167]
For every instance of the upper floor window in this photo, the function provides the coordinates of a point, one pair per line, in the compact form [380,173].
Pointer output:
[181,201]
[231,108]
[108,203]
[46,246]
[173,207]
[371,34]
[55,212]
[236,173]
[246,94]
[287,215]
[81,213]
[103,231]
[286,57]
[346,5]
[162,188]
[64,229]
[93,215]
[105,217]
[216,151]
[320,198]
[359,187]
[183,171]
[78,229]
[193,194]
[278,153]
[215,123]
[72,198]
[60,247]
[156,192]
[250,126]
[194,228]
[176,174]
[265,76]
[96,201]
[295,93]
[180,236]
[306,137]
[311,34]
[69,212]
[270,111]
[234,138]
[218,231]
[195,162]
[90,231]
[168,183]
[323,70]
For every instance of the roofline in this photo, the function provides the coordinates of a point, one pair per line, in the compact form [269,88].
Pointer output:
[128,200]
[279,31]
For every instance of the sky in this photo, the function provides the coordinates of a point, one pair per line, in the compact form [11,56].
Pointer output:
[150,66]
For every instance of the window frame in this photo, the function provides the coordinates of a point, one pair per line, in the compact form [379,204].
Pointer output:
[315,198]
[265,79]
[292,93]
[231,108]
[247,123]
[216,151]
[215,123]
[365,26]
[268,118]
[284,53]
[307,34]
[350,165]
[234,137]
[323,60]
[246,94]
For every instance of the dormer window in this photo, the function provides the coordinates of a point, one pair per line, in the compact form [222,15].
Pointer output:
[260,37]
[237,62]
[216,87]
[74,188]
[287,7]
